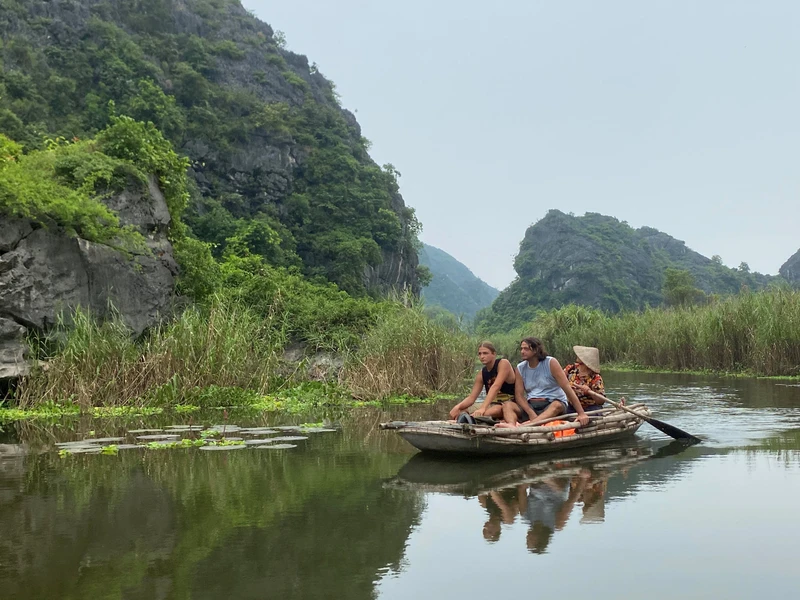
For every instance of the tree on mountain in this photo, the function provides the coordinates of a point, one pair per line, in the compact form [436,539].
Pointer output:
[679,288]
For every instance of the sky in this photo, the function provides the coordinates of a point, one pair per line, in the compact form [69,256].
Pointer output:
[678,115]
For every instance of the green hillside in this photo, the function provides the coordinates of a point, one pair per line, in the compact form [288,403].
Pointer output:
[453,286]
[599,261]
[276,165]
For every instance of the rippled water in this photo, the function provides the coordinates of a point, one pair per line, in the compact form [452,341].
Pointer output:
[357,514]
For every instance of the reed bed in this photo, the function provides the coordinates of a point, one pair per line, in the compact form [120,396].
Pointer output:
[407,353]
[752,332]
[98,364]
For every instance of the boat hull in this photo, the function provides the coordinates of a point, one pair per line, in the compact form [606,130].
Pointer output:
[465,444]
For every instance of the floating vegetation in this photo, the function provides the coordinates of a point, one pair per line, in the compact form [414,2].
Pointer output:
[193,436]
[125,411]
[79,450]
[276,446]
[258,431]
[184,443]
[224,447]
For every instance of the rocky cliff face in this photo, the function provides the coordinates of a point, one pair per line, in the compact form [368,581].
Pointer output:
[791,269]
[46,272]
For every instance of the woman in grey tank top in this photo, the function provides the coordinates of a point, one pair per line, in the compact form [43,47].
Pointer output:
[542,388]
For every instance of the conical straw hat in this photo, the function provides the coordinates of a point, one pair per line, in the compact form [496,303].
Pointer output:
[589,356]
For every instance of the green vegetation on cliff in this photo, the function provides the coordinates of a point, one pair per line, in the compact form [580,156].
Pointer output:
[599,261]
[453,286]
[64,183]
[276,165]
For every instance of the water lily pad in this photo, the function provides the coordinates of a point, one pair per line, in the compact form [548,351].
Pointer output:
[184,428]
[104,440]
[318,430]
[233,447]
[161,437]
[257,442]
[134,431]
[289,438]
[288,427]
[82,449]
[257,431]
[76,443]
[130,446]
[232,439]
[276,446]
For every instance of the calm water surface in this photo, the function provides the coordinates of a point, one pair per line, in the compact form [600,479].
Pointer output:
[357,514]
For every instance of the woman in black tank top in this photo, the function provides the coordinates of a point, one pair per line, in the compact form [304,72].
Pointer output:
[497,378]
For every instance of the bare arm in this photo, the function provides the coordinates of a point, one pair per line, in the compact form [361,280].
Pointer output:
[469,400]
[520,397]
[595,390]
[503,371]
[563,383]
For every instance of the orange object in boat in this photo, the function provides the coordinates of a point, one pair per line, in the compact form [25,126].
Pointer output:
[563,432]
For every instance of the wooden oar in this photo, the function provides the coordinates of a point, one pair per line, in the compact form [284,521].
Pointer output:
[670,430]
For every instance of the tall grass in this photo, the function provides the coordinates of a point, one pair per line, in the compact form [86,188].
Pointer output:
[224,344]
[408,353]
[758,333]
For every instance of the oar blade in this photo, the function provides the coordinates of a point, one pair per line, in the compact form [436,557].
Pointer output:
[672,431]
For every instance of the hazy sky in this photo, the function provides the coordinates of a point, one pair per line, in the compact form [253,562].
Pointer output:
[680,115]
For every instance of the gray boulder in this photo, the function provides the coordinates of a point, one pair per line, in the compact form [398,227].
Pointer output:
[45,273]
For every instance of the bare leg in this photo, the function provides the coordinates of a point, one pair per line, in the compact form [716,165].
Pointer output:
[495,411]
[553,409]
[510,413]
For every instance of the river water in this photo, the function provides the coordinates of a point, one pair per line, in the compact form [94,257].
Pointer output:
[356,513]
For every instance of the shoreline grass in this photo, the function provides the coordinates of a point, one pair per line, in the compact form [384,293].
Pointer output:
[752,333]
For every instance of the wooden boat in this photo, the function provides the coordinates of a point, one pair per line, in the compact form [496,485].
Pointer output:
[448,437]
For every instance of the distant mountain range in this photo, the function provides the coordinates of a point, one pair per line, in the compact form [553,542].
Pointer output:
[453,286]
[599,261]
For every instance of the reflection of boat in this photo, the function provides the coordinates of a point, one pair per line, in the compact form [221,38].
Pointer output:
[470,477]
[607,425]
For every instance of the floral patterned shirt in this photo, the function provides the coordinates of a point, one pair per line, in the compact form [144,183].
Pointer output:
[594,382]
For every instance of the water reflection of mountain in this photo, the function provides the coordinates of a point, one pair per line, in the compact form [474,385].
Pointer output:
[191,524]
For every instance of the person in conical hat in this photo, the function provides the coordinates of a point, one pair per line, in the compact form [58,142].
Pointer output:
[584,377]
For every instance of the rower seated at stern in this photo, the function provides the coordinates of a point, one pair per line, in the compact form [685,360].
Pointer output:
[497,378]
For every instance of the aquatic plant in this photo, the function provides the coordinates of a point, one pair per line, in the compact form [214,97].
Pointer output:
[407,353]
[752,332]
[224,345]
